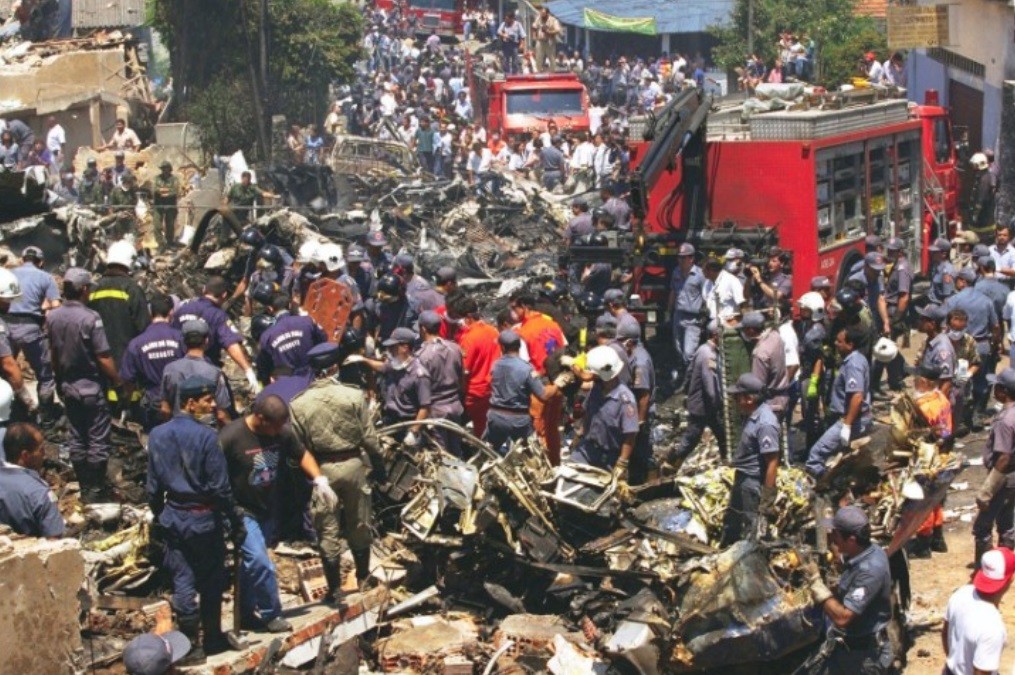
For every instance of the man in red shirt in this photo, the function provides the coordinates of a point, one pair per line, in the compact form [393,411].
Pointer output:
[542,336]
[480,350]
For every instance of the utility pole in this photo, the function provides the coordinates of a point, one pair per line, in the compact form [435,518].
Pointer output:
[262,138]
[750,27]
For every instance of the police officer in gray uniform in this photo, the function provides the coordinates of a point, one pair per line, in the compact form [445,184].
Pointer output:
[990,285]
[25,317]
[995,499]
[768,360]
[898,288]
[704,401]
[643,386]
[942,282]
[983,324]
[871,275]
[196,336]
[938,351]
[512,382]
[26,503]
[857,614]
[610,424]
[686,302]
[407,394]
[442,360]
[84,368]
[850,402]
[756,461]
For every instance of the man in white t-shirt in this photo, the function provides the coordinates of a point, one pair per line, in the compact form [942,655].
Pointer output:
[973,633]
[725,295]
[56,139]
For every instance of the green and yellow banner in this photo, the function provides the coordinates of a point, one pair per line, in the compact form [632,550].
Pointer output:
[620,24]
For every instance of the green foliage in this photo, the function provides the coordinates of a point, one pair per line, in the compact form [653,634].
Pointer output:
[841,37]
[223,112]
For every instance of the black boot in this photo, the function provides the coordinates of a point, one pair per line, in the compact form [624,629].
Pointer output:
[937,540]
[362,559]
[50,412]
[919,547]
[981,548]
[215,641]
[333,575]
[99,485]
[190,625]
[91,491]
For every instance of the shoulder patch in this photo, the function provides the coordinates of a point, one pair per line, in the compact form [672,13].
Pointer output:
[858,593]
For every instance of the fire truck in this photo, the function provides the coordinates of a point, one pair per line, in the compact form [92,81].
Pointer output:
[514,105]
[814,182]
[442,16]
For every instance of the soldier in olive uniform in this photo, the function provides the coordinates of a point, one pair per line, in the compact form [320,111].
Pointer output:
[90,193]
[165,191]
[244,196]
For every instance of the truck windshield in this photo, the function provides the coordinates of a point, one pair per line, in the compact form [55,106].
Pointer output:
[442,5]
[543,102]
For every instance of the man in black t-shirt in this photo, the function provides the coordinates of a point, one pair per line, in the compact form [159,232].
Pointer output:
[255,446]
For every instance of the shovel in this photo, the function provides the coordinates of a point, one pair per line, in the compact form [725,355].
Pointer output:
[235,636]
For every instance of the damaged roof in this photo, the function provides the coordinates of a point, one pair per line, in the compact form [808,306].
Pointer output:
[671,16]
[106,14]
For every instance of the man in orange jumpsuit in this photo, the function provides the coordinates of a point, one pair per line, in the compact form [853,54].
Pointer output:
[937,411]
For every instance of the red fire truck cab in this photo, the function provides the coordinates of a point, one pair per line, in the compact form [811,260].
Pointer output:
[443,16]
[814,182]
[514,105]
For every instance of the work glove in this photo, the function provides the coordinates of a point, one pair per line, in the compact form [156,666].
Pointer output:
[255,386]
[567,361]
[812,388]
[991,486]
[767,505]
[324,493]
[845,433]
[620,471]
[353,358]
[818,590]
[411,440]
[565,379]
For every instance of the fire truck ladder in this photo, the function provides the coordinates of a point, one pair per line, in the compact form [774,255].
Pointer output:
[934,200]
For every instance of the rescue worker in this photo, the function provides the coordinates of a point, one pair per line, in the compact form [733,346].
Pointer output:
[288,342]
[962,249]
[146,358]
[404,267]
[513,383]
[606,334]
[195,364]
[643,386]
[380,260]
[983,197]
[768,361]
[686,301]
[942,272]
[937,350]
[478,341]
[357,268]
[406,386]
[190,498]
[443,362]
[937,413]
[898,288]
[990,284]
[542,336]
[596,276]
[615,205]
[272,264]
[756,462]
[332,421]
[704,402]
[244,197]
[223,335]
[615,303]
[814,359]
[984,326]
[84,369]
[823,286]
[123,200]
[27,505]
[165,191]
[768,288]
[854,312]
[391,308]
[580,224]
[995,500]
[871,244]
[871,275]
[257,447]
[849,414]
[24,320]
[119,300]
[610,424]
[858,613]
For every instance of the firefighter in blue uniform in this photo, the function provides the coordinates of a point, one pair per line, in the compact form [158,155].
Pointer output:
[189,495]
[146,358]
[288,341]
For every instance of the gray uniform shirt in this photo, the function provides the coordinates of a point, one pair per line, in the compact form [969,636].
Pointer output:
[512,381]
[703,384]
[853,377]
[940,353]
[899,281]
[443,362]
[759,437]
[979,309]
[406,390]
[1001,440]
[77,337]
[37,286]
[193,366]
[942,283]
[768,363]
[865,589]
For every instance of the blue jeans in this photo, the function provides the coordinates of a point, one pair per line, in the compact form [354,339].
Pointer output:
[258,583]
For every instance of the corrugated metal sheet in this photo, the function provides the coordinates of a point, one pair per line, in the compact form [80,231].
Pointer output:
[108,13]
[672,16]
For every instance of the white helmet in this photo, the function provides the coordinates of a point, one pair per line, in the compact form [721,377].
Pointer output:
[10,288]
[604,362]
[331,257]
[307,252]
[121,253]
[813,301]
[6,400]
[979,161]
[885,350]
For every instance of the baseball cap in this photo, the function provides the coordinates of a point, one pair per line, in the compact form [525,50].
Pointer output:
[875,260]
[734,254]
[996,568]
[355,253]
[981,250]
[820,282]
[196,386]
[400,336]
[986,262]
[628,328]
[606,322]
[430,320]
[151,654]
[77,277]
[33,252]
[753,320]
[404,260]
[933,312]
[446,274]
[118,154]
[748,383]
[323,355]
[613,295]
[195,326]
[1006,378]
[895,244]
[967,237]
[847,520]
[685,249]
[966,274]
[941,245]
[872,241]
[508,339]
[376,238]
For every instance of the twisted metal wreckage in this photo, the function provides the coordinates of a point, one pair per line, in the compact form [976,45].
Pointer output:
[547,568]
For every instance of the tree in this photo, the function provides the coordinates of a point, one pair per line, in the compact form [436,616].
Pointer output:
[841,37]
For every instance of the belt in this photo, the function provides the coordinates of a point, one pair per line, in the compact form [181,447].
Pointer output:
[23,319]
[509,411]
[192,508]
